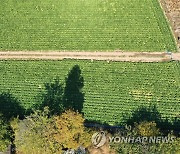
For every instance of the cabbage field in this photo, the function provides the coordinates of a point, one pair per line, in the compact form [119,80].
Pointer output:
[111,89]
[103,25]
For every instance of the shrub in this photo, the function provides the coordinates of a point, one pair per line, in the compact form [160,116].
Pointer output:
[147,128]
[159,148]
[167,148]
[5,134]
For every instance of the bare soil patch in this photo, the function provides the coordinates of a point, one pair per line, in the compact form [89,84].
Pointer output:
[109,56]
[172,11]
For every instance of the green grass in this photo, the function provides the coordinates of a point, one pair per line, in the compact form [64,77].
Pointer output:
[131,25]
[111,89]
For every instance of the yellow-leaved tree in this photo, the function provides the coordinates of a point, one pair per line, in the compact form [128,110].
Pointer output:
[70,131]
[39,133]
[146,128]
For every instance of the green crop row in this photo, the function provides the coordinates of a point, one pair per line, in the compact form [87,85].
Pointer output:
[133,25]
[111,89]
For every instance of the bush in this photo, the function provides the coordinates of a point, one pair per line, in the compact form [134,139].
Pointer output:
[147,128]
[170,147]
[5,134]
[160,148]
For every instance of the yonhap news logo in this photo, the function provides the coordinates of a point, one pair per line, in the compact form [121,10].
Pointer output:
[100,138]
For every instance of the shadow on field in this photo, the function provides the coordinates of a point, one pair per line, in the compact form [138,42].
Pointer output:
[73,95]
[10,107]
[59,98]
[52,97]
[142,113]
[139,115]
[151,113]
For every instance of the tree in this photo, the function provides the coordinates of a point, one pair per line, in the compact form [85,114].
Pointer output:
[34,134]
[70,130]
[39,133]
[73,96]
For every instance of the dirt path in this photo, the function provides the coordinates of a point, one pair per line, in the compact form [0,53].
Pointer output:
[109,56]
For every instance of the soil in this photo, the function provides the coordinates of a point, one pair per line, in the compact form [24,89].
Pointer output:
[172,11]
[108,56]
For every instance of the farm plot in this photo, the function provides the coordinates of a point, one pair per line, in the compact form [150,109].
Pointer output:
[103,25]
[111,89]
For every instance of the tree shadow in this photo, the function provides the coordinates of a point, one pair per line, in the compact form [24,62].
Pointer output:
[142,113]
[73,95]
[98,125]
[151,113]
[52,97]
[176,126]
[10,107]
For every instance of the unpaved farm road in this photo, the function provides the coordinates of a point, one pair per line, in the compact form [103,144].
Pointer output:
[108,56]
